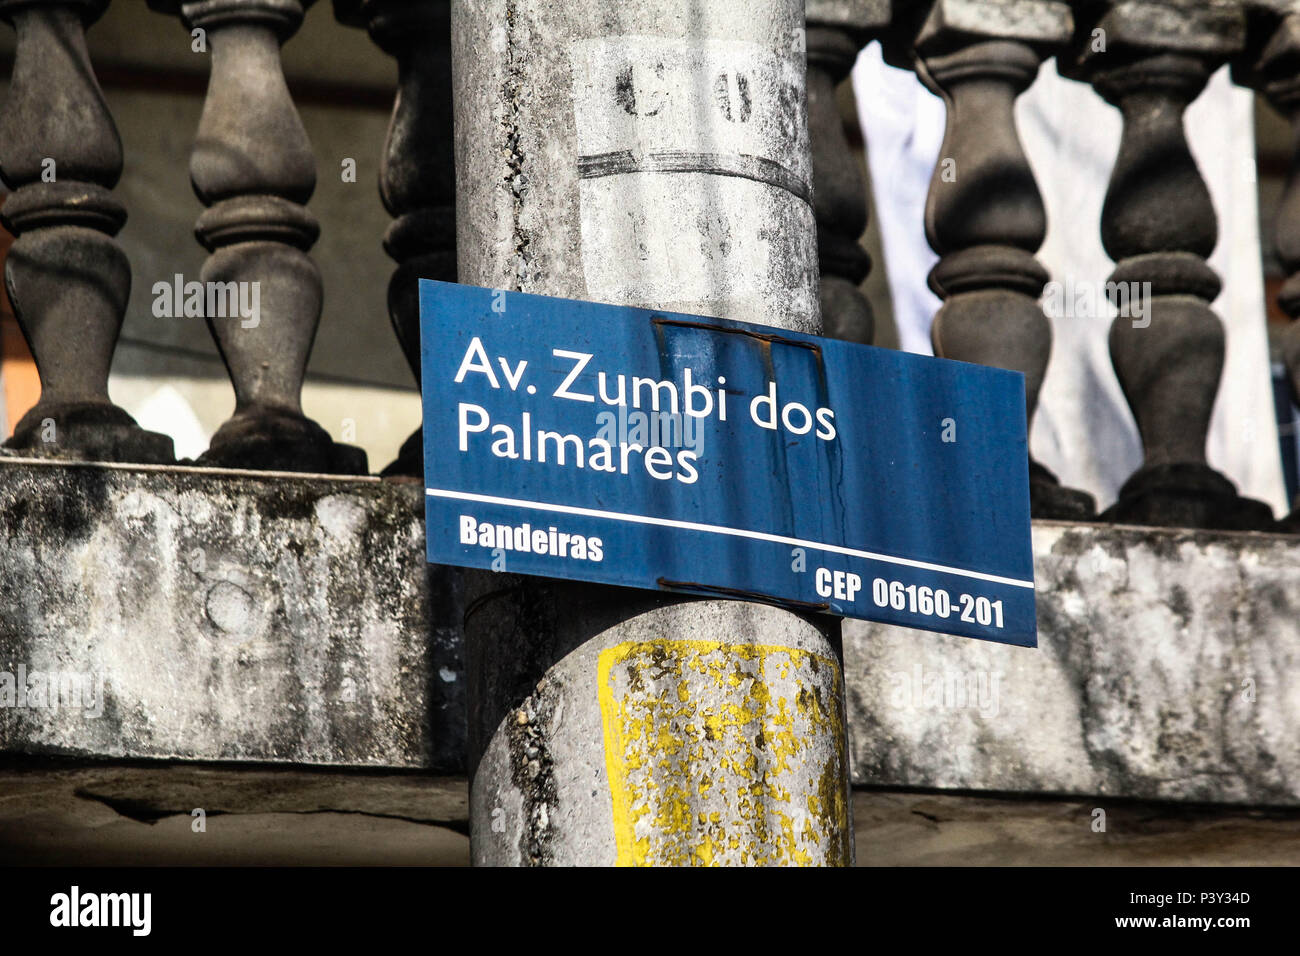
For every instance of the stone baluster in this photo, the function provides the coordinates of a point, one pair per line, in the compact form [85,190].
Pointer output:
[984,214]
[1159,225]
[68,280]
[836,31]
[1272,65]
[417,180]
[252,166]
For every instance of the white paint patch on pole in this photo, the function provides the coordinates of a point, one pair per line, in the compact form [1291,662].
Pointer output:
[689,150]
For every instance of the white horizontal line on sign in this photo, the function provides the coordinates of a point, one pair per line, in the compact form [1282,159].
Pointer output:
[722,529]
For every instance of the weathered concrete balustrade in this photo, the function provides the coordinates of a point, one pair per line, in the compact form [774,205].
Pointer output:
[68,280]
[837,31]
[417,179]
[1270,62]
[1159,225]
[253,167]
[984,214]
[235,618]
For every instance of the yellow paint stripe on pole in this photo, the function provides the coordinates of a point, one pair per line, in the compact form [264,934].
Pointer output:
[723,754]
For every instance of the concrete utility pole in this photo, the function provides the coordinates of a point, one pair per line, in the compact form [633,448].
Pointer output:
[651,154]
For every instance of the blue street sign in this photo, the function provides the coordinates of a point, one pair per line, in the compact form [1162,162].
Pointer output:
[705,456]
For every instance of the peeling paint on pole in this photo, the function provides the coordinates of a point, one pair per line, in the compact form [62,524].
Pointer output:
[689,722]
[689,151]
[655,155]
[558,750]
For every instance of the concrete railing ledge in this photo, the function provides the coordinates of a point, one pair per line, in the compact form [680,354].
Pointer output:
[210,615]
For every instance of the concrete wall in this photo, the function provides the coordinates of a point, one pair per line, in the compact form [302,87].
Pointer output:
[237,617]
[1168,669]
[208,615]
